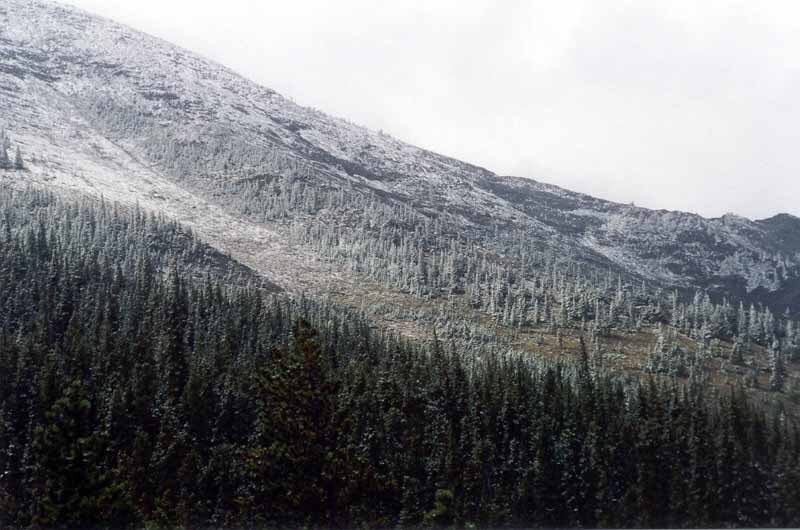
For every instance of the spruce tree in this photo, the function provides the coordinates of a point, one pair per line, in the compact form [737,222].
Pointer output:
[18,163]
[5,143]
[778,366]
[736,352]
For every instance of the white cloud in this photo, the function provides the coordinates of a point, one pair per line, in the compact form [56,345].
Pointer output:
[677,105]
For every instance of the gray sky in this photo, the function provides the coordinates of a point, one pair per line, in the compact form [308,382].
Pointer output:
[678,105]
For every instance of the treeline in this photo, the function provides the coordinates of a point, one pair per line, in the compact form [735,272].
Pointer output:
[517,280]
[499,269]
[135,393]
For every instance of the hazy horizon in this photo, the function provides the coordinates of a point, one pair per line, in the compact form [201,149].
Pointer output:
[677,107]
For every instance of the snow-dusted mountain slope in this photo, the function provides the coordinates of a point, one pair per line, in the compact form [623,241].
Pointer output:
[98,107]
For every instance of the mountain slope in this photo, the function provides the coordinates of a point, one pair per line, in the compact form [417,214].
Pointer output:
[99,107]
[137,397]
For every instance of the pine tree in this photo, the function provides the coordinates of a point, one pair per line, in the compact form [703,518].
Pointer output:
[18,163]
[5,144]
[736,352]
[296,403]
[71,483]
[778,366]
[792,341]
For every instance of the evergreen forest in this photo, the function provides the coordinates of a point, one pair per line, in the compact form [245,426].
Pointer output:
[149,381]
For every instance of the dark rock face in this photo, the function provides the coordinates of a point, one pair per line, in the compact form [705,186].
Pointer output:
[194,121]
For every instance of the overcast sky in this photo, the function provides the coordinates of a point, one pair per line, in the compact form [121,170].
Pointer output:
[678,105]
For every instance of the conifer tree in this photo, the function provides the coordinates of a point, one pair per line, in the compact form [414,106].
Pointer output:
[18,163]
[5,144]
[778,366]
[736,352]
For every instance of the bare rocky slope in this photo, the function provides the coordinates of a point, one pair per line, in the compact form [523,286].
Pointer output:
[99,108]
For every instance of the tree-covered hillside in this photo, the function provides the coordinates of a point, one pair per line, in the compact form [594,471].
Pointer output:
[136,392]
[416,240]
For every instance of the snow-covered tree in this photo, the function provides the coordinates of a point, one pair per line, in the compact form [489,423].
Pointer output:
[5,144]
[778,365]
[736,352]
[18,163]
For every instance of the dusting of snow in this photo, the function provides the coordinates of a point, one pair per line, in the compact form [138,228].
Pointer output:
[57,61]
